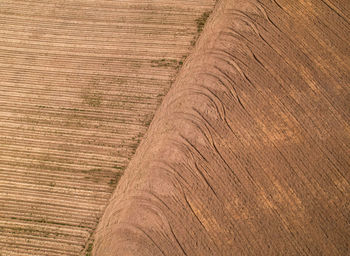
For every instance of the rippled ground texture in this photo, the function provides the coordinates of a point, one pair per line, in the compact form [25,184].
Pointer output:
[249,153]
[80,81]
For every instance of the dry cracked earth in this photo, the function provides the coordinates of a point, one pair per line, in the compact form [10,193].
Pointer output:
[227,123]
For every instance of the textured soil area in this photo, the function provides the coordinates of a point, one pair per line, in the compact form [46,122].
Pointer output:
[249,153]
[80,81]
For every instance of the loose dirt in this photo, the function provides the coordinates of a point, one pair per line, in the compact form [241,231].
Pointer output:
[249,153]
[78,90]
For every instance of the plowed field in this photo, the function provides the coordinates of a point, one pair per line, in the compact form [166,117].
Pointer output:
[79,84]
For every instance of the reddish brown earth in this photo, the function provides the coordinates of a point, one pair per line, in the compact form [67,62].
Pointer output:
[249,153]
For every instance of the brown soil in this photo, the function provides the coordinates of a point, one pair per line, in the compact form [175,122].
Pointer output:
[249,153]
[78,89]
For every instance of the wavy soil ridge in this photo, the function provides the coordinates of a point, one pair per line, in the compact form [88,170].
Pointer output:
[80,81]
[249,153]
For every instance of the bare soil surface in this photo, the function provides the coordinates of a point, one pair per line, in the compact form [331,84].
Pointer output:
[80,81]
[249,153]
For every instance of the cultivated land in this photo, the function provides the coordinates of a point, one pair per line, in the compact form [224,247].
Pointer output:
[249,153]
[80,81]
